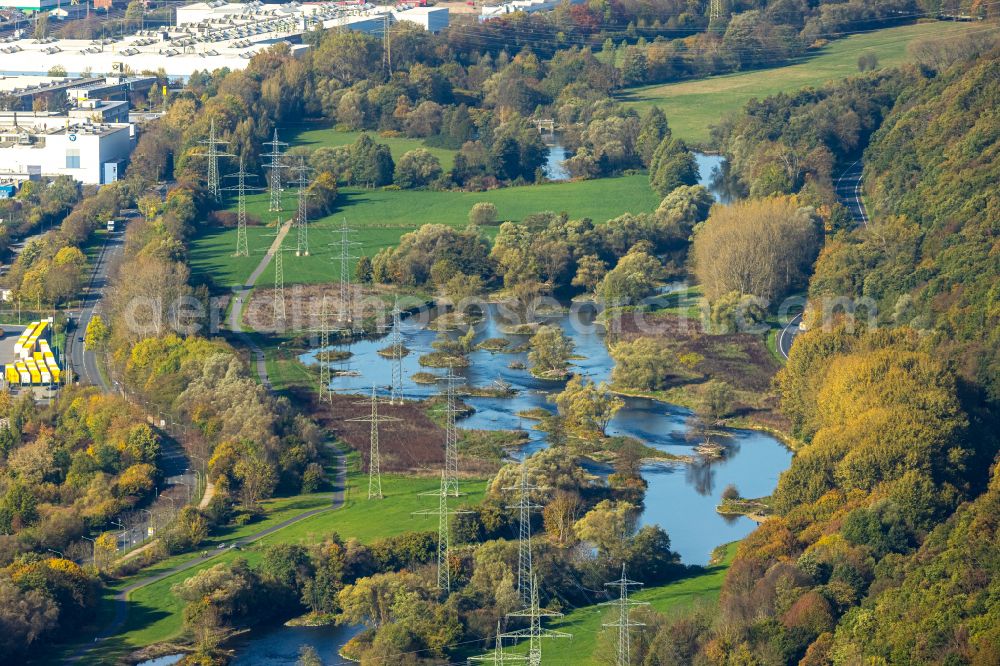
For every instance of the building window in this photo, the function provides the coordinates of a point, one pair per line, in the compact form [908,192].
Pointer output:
[72,158]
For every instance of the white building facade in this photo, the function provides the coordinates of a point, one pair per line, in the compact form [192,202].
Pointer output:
[90,153]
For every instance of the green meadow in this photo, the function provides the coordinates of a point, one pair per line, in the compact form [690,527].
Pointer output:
[693,106]
[585,623]
[157,615]
[379,217]
[312,136]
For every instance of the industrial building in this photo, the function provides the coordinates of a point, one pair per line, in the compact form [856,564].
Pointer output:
[526,6]
[34,363]
[42,144]
[208,36]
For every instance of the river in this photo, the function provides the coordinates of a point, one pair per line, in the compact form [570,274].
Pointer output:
[681,498]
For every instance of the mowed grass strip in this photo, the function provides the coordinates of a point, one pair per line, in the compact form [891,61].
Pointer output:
[693,106]
[380,217]
[585,623]
[157,615]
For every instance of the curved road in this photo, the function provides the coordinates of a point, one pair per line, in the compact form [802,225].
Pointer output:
[848,188]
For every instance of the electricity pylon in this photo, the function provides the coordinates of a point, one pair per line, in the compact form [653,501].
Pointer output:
[624,624]
[450,433]
[387,42]
[525,568]
[498,656]
[345,274]
[275,165]
[213,155]
[324,342]
[715,8]
[279,280]
[279,276]
[374,459]
[302,215]
[396,345]
[534,632]
[242,249]
[444,532]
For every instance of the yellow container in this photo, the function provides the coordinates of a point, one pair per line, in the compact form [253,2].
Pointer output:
[22,370]
[11,374]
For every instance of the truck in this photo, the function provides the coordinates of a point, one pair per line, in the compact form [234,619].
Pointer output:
[111,226]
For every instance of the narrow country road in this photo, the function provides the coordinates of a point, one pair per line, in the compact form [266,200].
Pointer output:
[848,188]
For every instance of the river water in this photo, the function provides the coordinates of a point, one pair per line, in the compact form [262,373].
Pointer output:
[681,498]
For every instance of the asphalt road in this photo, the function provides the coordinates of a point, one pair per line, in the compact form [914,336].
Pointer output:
[848,187]
[83,361]
[787,335]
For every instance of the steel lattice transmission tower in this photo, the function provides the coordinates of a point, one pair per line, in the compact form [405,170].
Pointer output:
[275,165]
[212,155]
[302,214]
[346,309]
[623,623]
[374,459]
[396,345]
[279,279]
[325,376]
[444,532]
[715,9]
[534,632]
[242,249]
[450,432]
[525,568]
[498,657]
[279,274]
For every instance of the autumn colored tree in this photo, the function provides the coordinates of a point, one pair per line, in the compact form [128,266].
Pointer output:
[758,247]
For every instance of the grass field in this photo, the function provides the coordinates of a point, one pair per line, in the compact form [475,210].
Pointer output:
[585,623]
[156,615]
[382,216]
[693,106]
[314,136]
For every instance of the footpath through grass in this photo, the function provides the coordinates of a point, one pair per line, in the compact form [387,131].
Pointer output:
[585,623]
[380,217]
[156,615]
[693,106]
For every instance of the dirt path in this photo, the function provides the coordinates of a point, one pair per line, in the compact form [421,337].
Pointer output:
[242,297]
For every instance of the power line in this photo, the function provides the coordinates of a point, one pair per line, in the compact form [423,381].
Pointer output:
[212,156]
[525,567]
[301,217]
[498,656]
[279,275]
[534,632]
[346,309]
[444,532]
[396,345]
[623,623]
[242,250]
[275,165]
[450,432]
[374,460]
